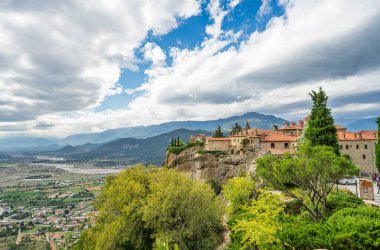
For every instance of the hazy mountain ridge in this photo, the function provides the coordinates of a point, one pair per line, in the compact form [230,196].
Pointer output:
[131,150]
[140,132]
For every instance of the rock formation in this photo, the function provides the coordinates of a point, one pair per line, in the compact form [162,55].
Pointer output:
[205,166]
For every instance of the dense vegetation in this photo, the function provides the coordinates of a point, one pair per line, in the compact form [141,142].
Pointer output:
[263,219]
[314,170]
[141,207]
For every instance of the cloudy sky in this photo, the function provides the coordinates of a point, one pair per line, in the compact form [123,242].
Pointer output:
[74,66]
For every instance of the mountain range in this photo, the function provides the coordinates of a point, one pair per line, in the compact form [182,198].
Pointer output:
[89,141]
[139,132]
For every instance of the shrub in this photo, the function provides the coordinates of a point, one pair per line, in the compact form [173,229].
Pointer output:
[342,199]
[176,150]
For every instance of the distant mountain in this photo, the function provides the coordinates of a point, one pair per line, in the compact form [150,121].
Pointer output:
[140,132]
[22,142]
[363,124]
[131,150]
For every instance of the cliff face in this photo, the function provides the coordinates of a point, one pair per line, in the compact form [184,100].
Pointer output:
[209,166]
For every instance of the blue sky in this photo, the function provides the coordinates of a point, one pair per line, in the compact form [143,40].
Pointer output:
[189,34]
[97,65]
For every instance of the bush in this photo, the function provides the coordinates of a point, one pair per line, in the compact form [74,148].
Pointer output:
[348,228]
[355,228]
[342,199]
[177,150]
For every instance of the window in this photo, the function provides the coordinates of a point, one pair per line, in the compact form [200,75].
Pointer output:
[286,145]
[365,146]
[341,146]
[363,157]
[357,146]
[272,145]
[346,146]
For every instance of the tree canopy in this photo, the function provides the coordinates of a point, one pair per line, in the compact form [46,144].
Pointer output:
[141,206]
[320,129]
[314,170]
[218,132]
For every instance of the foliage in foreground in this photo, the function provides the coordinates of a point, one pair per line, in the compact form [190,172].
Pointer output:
[314,170]
[347,228]
[257,220]
[142,206]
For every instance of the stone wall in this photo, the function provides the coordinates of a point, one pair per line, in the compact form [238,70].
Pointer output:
[218,145]
[361,152]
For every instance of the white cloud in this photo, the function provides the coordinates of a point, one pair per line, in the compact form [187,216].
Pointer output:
[333,44]
[61,56]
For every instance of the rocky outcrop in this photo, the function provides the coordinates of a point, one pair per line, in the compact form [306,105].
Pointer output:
[205,166]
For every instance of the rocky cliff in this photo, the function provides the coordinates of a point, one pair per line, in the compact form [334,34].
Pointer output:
[205,166]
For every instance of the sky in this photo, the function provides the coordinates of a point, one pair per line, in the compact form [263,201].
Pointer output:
[82,66]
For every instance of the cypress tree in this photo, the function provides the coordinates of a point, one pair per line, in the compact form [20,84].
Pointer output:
[172,143]
[378,145]
[178,142]
[218,132]
[321,129]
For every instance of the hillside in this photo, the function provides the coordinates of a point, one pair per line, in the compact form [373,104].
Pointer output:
[130,150]
[363,124]
[141,132]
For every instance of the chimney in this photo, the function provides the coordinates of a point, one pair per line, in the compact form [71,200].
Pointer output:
[293,124]
[360,136]
[344,135]
[286,124]
[301,123]
[275,127]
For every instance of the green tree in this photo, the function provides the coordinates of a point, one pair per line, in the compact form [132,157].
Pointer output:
[260,222]
[314,170]
[182,211]
[378,145]
[218,132]
[321,129]
[141,205]
[236,129]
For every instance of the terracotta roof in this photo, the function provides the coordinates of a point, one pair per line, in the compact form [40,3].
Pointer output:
[199,135]
[269,137]
[290,127]
[357,136]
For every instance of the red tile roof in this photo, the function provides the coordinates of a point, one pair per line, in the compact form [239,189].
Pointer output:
[357,136]
[269,137]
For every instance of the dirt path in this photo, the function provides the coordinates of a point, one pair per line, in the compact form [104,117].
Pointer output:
[52,245]
[19,237]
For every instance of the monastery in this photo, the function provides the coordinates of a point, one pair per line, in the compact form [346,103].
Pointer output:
[359,146]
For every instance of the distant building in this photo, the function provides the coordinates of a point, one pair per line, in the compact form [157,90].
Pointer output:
[359,146]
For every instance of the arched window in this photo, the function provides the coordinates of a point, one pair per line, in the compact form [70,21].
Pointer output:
[346,146]
[357,146]
[365,146]
[286,145]
[363,157]
[272,145]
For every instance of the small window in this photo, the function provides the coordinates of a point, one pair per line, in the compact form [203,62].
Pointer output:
[286,145]
[363,157]
[272,145]
[341,146]
[357,146]
[365,146]
[346,146]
